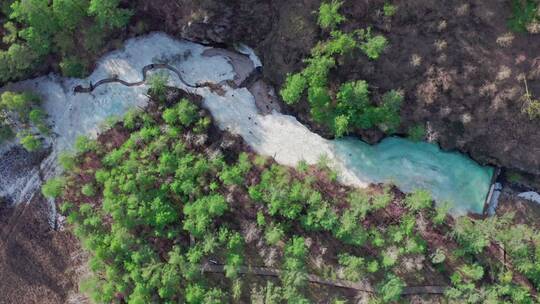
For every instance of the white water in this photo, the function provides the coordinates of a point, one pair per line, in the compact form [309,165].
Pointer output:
[531,196]
[449,176]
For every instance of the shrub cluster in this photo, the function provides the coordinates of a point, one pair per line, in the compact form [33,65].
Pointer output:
[348,107]
[20,115]
[37,28]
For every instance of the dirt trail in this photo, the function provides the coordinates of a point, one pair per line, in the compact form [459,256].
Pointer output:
[359,286]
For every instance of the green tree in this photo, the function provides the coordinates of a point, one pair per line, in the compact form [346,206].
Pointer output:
[389,9]
[329,16]
[372,46]
[391,288]
[353,266]
[295,84]
[73,67]
[200,213]
[158,84]
[69,13]
[418,199]
[53,187]
[274,234]
[88,190]
[416,133]
[187,112]
[108,14]
[67,161]
[29,141]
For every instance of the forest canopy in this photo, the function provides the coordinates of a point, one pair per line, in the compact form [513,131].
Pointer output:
[70,31]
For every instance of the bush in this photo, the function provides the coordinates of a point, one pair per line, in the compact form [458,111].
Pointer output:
[53,188]
[295,84]
[419,199]
[83,144]
[273,235]
[417,133]
[67,161]
[72,67]
[200,213]
[5,132]
[88,190]
[187,112]
[533,109]
[317,70]
[391,289]
[372,46]
[353,266]
[329,16]
[350,107]
[108,14]
[158,84]
[29,141]
[524,12]
[389,9]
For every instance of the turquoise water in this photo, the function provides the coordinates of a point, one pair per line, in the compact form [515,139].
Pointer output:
[450,176]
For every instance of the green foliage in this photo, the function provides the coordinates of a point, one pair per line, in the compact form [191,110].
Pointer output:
[199,214]
[371,45]
[293,276]
[340,43]
[234,175]
[350,107]
[295,84]
[187,112]
[83,144]
[532,109]
[72,67]
[389,9]
[391,289]
[20,104]
[53,187]
[39,29]
[69,13]
[471,272]
[353,266]
[417,133]
[329,16]
[11,33]
[438,256]
[161,208]
[108,14]
[67,161]
[475,235]
[273,235]
[269,294]
[419,199]
[6,132]
[515,177]
[29,141]
[88,190]
[158,84]
[524,12]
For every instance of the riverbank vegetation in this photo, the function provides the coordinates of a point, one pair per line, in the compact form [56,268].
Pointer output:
[164,195]
[349,105]
[69,32]
[21,116]
[524,16]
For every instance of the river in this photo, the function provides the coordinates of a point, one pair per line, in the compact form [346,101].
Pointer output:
[450,176]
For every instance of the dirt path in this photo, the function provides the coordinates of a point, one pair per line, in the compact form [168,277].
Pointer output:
[359,286]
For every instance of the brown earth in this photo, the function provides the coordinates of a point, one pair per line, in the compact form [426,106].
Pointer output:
[458,64]
[37,264]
